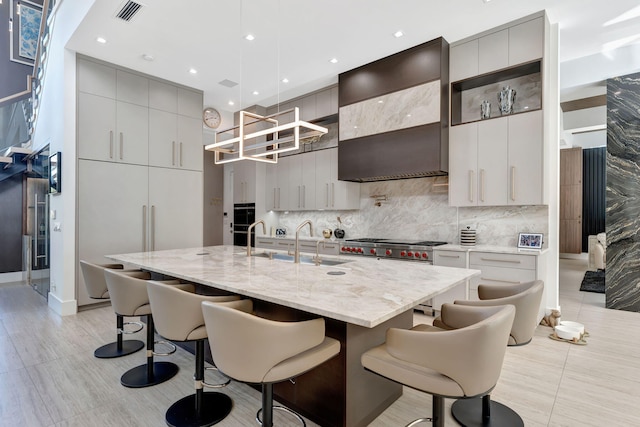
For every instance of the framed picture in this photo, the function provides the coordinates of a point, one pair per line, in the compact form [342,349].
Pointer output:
[55,173]
[25,18]
[530,241]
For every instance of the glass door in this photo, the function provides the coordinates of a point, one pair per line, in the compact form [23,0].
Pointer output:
[37,222]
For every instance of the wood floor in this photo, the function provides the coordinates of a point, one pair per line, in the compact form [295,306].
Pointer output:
[49,377]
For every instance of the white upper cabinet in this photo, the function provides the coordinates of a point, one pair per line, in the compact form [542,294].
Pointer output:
[493,52]
[497,162]
[163,96]
[463,60]
[112,130]
[526,41]
[511,46]
[190,103]
[96,79]
[132,88]
[315,106]
[526,159]
[244,182]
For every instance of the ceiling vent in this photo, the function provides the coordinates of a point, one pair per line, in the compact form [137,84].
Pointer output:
[228,83]
[128,11]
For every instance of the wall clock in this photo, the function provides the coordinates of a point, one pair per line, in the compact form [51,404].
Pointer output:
[211,118]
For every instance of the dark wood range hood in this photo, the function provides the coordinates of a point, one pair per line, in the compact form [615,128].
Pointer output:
[394,116]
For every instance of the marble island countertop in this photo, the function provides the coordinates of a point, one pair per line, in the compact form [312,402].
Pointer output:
[369,292]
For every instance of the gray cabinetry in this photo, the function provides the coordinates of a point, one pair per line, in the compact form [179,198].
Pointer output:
[502,269]
[448,258]
[137,138]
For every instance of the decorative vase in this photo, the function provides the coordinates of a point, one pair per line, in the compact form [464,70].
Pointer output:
[506,99]
[485,110]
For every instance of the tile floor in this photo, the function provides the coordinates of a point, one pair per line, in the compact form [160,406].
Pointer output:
[49,377]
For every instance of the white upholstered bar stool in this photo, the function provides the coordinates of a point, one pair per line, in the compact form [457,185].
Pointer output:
[178,317]
[255,350]
[129,298]
[97,289]
[461,363]
[526,298]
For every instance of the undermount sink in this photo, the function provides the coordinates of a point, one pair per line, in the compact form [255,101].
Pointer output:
[303,259]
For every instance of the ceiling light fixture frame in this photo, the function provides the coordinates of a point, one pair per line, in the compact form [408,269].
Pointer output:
[255,145]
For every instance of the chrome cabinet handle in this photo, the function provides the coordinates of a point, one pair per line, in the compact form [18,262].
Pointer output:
[180,156]
[111,144]
[153,228]
[274,198]
[482,185]
[173,153]
[513,183]
[327,204]
[333,194]
[471,186]
[502,260]
[144,228]
[299,196]
[121,146]
[304,196]
[449,256]
[35,230]
[501,281]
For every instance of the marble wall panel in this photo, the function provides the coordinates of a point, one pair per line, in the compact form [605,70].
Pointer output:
[418,105]
[528,97]
[418,209]
[622,277]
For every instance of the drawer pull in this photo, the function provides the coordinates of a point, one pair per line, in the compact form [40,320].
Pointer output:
[501,281]
[502,260]
[449,256]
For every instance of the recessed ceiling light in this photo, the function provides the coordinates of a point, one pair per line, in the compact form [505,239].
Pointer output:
[398,34]
[101,40]
[147,57]
[486,1]
[249,37]
[285,80]
[380,101]
[255,92]
[231,103]
[193,71]
[334,60]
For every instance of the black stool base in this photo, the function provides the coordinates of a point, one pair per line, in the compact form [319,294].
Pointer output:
[468,412]
[214,408]
[110,351]
[137,377]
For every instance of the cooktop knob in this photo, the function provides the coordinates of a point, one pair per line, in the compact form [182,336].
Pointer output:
[425,255]
[360,250]
[410,254]
[344,249]
[388,252]
[417,254]
[372,251]
[403,253]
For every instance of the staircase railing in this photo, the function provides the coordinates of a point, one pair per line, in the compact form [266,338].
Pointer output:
[19,112]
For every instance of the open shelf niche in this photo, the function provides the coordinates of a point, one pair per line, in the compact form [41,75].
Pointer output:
[468,94]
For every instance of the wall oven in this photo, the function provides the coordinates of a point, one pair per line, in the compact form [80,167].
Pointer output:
[244,214]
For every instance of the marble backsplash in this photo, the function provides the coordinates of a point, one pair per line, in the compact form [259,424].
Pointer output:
[417,209]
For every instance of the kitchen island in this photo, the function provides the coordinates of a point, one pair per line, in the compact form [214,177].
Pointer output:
[359,299]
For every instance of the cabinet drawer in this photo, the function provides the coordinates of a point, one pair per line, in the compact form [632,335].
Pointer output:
[450,259]
[501,276]
[262,242]
[502,260]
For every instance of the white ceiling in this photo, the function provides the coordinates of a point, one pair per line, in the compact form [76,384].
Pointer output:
[297,38]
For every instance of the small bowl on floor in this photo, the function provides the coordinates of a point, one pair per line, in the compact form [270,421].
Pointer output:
[567,333]
[574,325]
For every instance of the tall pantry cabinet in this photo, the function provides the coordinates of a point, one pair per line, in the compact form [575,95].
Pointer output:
[140,160]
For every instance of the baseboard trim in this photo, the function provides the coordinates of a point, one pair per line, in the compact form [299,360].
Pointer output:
[15,276]
[63,308]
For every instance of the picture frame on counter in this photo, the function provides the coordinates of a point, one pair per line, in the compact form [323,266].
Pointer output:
[530,241]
